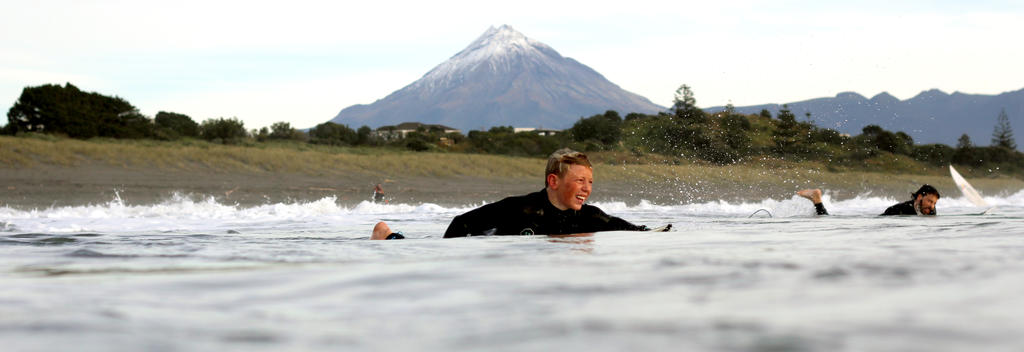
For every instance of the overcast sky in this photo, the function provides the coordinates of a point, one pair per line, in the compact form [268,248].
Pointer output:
[303,61]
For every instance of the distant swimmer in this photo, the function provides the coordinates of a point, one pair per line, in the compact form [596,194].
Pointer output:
[921,202]
[378,194]
[555,210]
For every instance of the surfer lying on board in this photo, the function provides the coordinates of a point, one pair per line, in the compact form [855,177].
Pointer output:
[557,209]
[921,202]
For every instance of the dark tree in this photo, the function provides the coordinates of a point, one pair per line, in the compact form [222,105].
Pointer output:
[179,124]
[262,134]
[904,143]
[786,131]
[875,136]
[765,114]
[67,110]
[634,116]
[364,135]
[222,130]
[684,105]
[283,130]
[417,141]
[1002,135]
[735,132]
[606,128]
[502,129]
[333,134]
[964,142]
[736,121]
[128,125]
[828,136]
[937,154]
[684,99]
[872,130]
[671,135]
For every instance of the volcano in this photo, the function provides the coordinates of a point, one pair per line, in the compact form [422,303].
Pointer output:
[503,78]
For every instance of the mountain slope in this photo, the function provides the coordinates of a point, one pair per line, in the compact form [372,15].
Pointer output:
[502,78]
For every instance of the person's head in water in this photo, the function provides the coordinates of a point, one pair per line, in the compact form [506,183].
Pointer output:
[568,179]
[925,199]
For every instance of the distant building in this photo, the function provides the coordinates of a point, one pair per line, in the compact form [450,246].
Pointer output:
[400,130]
[539,131]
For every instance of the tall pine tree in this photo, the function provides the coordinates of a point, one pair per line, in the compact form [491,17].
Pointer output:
[1002,135]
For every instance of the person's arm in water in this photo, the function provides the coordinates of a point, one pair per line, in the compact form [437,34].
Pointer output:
[482,221]
[905,208]
[607,222]
[814,195]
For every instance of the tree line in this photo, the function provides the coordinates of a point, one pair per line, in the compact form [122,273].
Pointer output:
[684,131]
[728,137]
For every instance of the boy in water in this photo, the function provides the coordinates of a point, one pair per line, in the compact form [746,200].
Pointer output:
[557,209]
[921,202]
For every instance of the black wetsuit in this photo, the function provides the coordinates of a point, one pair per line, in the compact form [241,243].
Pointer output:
[820,208]
[533,214]
[905,208]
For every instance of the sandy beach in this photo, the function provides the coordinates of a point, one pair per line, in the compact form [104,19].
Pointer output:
[96,182]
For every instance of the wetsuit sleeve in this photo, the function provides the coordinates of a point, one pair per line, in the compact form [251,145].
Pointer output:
[905,208]
[477,222]
[618,224]
[607,222]
[892,210]
[820,209]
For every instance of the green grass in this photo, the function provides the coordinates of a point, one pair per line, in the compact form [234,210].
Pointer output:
[885,172]
[281,157]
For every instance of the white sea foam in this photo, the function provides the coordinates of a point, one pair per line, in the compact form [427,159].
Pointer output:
[182,213]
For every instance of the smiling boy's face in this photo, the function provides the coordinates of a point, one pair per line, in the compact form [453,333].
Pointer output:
[571,190]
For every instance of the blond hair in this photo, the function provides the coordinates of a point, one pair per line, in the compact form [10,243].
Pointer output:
[560,161]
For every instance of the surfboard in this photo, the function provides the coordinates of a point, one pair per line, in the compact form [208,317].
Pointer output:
[665,228]
[968,191]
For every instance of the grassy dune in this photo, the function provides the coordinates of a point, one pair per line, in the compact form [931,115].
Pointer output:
[293,158]
[619,175]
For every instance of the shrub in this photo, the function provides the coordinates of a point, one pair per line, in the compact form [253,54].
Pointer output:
[222,130]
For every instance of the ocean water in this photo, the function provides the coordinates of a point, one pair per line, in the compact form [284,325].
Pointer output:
[192,274]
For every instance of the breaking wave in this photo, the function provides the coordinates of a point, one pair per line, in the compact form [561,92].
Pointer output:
[189,214]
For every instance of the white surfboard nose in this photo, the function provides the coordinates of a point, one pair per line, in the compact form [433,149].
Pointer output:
[966,188]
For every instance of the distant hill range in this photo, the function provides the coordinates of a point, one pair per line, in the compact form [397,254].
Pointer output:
[502,79]
[930,117]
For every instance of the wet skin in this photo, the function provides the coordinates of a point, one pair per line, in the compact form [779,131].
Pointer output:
[926,204]
[573,189]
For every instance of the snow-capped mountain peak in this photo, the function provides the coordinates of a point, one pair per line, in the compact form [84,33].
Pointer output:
[497,50]
[496,42]
[502,78]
